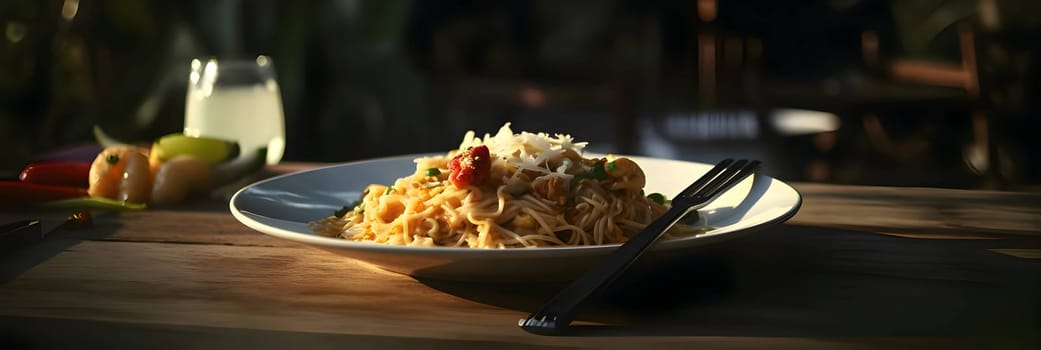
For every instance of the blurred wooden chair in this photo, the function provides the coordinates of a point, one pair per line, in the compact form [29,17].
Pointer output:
[981,153]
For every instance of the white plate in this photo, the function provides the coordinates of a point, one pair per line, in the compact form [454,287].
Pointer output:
[283,206]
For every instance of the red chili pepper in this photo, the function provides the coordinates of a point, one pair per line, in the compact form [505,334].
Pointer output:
[16,193]
[75,174]
[470,167]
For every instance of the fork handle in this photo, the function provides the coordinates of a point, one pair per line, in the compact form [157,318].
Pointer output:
[604,272]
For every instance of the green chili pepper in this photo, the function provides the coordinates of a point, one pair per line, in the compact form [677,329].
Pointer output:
[93,203]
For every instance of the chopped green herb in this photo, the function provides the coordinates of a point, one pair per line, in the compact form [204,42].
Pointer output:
[389,190]
[596,173]
[517,190]
[342,211]
[691,218]
[611,165]
[112,158]
[657,198]
[432,172]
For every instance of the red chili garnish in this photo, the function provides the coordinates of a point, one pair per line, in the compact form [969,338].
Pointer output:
[19,194]
[470,167]
[74,174]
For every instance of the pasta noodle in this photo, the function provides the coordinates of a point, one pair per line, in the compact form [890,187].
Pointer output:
[504,191]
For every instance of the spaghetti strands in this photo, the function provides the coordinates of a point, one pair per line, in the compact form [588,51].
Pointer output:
[506,190]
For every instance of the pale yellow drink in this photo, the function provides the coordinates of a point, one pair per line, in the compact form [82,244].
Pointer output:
[249,114]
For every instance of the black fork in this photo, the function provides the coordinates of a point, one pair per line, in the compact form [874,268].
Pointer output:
[556,315]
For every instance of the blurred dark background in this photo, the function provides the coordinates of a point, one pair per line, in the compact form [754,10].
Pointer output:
[906,93]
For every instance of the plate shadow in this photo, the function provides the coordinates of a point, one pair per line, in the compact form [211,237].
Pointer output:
[796,281]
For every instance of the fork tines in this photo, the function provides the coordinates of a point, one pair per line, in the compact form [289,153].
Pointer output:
[724,175]
[555,316]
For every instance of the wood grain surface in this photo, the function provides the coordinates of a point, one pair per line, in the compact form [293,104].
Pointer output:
[834,276]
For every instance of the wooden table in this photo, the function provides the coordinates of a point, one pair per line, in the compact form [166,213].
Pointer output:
[857,267]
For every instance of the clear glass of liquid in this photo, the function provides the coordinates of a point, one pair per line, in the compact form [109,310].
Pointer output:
[236,100]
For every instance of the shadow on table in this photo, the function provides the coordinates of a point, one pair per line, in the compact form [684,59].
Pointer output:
[25,257]
[795,281]
[39,333]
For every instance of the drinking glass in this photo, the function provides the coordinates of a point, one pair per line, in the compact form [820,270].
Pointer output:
[236,100]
